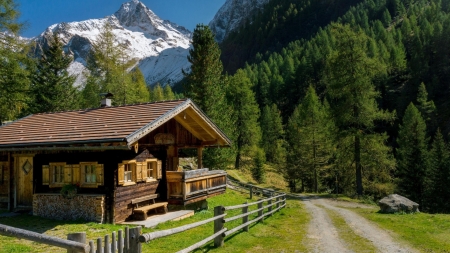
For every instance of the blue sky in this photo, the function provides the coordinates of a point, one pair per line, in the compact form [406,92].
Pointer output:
[40,14]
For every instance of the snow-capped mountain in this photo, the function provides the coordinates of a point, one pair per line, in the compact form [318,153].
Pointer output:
[159,46]
[232,15]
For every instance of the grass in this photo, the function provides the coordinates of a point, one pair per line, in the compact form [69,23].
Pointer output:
[354,242]
[276,232]
[425,232]
[273,178]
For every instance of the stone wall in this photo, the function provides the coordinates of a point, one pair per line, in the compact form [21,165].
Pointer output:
[82,207]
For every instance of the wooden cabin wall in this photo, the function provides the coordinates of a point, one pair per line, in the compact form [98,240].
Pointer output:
[124,194]
[182,136]
[110,160]
[5,177]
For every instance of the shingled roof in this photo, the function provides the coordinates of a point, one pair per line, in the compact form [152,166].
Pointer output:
[126,124]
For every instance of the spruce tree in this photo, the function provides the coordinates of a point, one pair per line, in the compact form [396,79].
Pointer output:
[168,93]
[272,130]
[157,93]
[350,74]
[258,170]
[245,114]
[15,65]
[206,86]
[412,155]
[310,136]
[52,87]
[426,108]
[437,176]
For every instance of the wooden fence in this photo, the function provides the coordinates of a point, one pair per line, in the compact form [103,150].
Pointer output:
[130,241]
[274,204]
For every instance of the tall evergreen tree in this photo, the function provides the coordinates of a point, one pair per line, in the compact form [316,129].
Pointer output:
[157,93]
[52,87]
[245,115]
[437,176]
[412,155]
[258,170]
[168,93]
[310,136]
[350,86]
[15,65]
[426,108]
[272,130]
[206,86]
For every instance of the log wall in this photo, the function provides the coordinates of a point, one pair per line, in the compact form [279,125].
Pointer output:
[124,194]
[82,206]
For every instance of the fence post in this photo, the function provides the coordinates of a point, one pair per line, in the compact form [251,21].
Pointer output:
[120,241]
[99,245]
[126,241]
[135,245]
[269,202]
[107,245]
[76,237]
[113,242]
[278,203]
[245,218]
[260,212]
[251,191]
[92,244]
[218,225]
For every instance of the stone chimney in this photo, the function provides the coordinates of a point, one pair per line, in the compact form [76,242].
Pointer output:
[106,99]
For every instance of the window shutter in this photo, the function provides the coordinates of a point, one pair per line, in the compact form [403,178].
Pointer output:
[67,174]
[82,174]
[133,171]
[120,175]
[99,174]
[140,171]
[45,175]
[76,173]
[159,169]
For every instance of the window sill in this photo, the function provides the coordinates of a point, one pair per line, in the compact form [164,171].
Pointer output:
[128,183]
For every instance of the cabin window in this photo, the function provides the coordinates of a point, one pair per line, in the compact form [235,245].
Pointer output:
[127,173]
[86,174]
[91,174]
[152,170]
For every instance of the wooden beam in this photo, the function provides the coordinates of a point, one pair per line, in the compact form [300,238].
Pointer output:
[183,122]
[199,120]
[200,157]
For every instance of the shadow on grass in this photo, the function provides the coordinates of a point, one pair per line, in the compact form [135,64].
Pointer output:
[35,223]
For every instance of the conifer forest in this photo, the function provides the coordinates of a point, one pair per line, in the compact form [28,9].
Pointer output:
[346,96]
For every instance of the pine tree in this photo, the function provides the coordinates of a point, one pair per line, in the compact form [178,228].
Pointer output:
[15,65]
[426,108]
[350,74]
[157,93]
[412,155]
[206,86]
[52,87]
[168,93]
[310,137]
[245,114]
[437,176]
[258,170]
[272,130]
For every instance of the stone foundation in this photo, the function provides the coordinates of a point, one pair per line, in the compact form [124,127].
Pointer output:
[88,207]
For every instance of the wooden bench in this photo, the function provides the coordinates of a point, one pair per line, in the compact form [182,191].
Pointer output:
[145,204]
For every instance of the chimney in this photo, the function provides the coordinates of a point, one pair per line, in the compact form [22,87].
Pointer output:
[106,99]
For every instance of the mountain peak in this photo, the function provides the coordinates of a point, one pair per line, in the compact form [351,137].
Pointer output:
[135,13]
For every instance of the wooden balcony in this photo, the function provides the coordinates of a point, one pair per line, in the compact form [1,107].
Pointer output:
[187,187]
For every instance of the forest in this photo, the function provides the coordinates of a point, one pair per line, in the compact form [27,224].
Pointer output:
[339,96]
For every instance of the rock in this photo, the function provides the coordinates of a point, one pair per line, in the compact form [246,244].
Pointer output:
[394,203]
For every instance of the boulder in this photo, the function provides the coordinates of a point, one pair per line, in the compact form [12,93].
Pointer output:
[395,203]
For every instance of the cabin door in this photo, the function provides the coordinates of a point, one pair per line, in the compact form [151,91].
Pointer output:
[24,181]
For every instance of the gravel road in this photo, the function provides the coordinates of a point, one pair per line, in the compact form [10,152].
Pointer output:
[324,237]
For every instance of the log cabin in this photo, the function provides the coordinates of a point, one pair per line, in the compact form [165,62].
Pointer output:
[115,156]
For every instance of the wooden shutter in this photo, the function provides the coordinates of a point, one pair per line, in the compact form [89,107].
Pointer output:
[140,173]
[82,175]
[133,171]
[120,174]
[99,174]
[45,175]
[159,169]
[76,174]
[67,174]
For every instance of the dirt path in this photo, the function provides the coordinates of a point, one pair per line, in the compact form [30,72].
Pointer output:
[323,236]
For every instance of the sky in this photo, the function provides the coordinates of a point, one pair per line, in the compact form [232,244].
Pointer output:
[40,14]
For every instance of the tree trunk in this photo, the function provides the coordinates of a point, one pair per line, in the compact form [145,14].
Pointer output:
[359,187]
[237,162]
